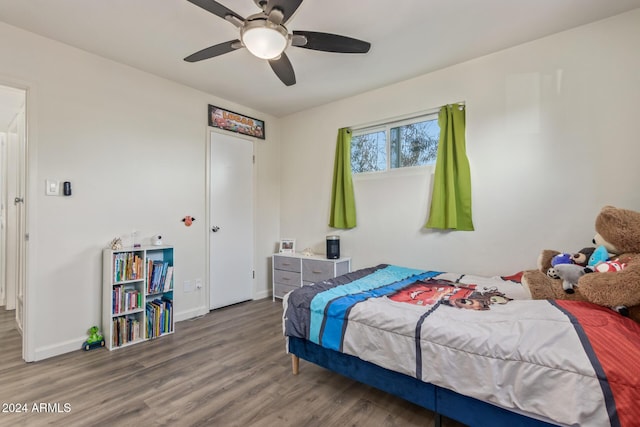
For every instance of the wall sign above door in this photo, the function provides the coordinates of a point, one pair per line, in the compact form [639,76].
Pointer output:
[234,122]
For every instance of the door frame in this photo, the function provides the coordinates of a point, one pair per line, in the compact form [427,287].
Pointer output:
[4,147]
[30,188]
[11,174]
[208,224]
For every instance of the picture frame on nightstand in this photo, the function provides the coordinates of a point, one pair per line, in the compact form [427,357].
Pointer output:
[287,246]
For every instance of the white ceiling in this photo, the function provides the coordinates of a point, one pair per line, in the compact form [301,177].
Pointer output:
[408,38]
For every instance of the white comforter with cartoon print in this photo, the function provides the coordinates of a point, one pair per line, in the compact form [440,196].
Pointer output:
[559,361]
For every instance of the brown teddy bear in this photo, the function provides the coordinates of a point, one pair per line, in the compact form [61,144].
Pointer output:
[618,230]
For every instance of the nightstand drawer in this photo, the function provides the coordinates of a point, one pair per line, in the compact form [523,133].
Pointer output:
[279,290]
[290,271]
[286,263]
[290,278]
[315,270]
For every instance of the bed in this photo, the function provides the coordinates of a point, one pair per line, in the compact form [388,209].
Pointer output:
[474,349]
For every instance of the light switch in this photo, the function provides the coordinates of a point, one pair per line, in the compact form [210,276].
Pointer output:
[52,187]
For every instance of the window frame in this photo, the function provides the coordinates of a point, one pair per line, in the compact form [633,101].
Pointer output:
[386,127]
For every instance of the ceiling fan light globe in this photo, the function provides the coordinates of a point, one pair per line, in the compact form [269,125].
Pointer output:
[264,41]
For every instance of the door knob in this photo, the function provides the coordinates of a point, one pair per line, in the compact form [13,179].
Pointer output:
[215,228]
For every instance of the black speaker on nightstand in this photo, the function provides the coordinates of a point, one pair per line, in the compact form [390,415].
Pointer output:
[333,247]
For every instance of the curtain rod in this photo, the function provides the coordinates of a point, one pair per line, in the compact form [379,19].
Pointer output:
[403,117]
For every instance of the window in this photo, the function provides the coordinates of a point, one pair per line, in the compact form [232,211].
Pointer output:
[412,142]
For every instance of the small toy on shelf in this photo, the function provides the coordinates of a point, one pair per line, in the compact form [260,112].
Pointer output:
[95,339]
[116,243]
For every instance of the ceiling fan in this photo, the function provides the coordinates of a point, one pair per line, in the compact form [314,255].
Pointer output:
[266,37]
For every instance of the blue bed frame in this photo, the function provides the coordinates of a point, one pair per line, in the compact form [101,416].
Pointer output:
[464,409]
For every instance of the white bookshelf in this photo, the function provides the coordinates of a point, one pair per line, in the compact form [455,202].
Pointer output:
[137,295]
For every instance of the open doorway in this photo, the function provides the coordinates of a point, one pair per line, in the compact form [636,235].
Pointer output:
[13,142]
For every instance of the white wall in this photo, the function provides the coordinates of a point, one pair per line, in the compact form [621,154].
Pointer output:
[133,146]
[552,136]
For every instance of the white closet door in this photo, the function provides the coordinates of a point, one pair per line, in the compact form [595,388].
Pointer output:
[231,210]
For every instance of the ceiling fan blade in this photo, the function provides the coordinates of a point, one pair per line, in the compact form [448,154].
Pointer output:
[213,51]
[330,42]
[288,7]
[216,8]
[283,69]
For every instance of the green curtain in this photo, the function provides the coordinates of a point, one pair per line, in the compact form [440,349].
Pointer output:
[451,199]
[343,205]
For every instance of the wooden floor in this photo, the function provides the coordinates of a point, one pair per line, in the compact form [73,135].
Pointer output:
[228,368]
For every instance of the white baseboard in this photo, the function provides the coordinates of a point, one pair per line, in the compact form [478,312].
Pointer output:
[190,314]
[262,294]
[48,351]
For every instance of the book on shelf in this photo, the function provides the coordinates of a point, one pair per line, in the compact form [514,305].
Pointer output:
[127,266]
[168,284]
[157,276]
[163,276]
[159,317]
[125,299]
[126,329]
